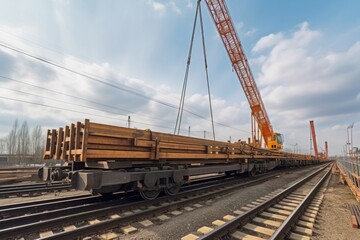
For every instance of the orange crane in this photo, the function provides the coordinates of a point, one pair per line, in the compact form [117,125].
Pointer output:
[313,136]
[220,14]
[320,155]
[326,150]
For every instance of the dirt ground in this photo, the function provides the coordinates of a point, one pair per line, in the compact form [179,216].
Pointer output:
[333,221]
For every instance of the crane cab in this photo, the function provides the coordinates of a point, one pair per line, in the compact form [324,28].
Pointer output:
[275,142]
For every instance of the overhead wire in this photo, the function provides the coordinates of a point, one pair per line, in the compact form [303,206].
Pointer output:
[92,114]
[44,60]
[81,112]
[78,97]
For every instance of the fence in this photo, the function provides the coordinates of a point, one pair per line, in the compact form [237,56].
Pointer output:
[349,169]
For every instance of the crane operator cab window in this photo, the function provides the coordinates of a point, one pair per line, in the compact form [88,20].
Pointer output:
[279,138]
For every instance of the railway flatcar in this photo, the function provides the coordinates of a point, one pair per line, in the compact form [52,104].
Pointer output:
[104,159]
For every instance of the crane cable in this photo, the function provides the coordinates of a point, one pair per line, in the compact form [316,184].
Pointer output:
[182,99]
[206,70]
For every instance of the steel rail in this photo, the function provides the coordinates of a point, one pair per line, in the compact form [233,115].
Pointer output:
[193,195]
[27,186]
[46,205]
[286,226]
[37,203]
[17,209]
[245,217]
[87,204]
[34,190]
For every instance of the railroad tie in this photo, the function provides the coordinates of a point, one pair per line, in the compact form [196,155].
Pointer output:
[190,237]
[244,236]
[295,236]
[109,236]
[46,234]
[302,230]
[267,222]
[218,223]
[204,230]
[238,212]
[69,228]
[273,215]
[228,217]
[258,229]
[128,229]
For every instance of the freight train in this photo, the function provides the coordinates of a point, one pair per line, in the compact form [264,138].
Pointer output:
[104,159]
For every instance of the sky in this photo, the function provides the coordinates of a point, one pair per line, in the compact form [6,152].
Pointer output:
[114,59]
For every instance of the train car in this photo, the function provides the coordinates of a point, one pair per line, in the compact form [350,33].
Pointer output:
[104,159]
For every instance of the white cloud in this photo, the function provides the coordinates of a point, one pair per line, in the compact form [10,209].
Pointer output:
[174,7]
[162,7]
[157,6]
[267,42]
[299,82]
[250,32]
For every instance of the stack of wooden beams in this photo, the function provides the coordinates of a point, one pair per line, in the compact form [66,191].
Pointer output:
[90,141]
[87,141]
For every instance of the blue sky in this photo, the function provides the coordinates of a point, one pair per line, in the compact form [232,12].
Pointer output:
[304,56]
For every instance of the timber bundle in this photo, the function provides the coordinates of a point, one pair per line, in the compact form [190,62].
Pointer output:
[91,142]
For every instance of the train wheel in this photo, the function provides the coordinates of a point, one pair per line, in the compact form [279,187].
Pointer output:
[149,195]
[172,190]
[252,173]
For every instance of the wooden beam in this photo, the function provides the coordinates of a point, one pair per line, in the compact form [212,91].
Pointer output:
[85,140]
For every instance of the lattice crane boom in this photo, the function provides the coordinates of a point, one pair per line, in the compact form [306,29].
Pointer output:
[223,22]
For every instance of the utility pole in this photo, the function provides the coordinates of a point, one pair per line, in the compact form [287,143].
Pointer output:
[204,134]
[129,121]
[189,131]
[295,147]
[349,144]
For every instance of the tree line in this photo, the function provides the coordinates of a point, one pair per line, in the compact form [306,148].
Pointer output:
[21,146]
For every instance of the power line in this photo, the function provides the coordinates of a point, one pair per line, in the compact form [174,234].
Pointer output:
[44,60]
[57,100]
[76,111]
[77,97]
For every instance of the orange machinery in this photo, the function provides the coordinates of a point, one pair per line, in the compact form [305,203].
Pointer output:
[226,29]
[319,155]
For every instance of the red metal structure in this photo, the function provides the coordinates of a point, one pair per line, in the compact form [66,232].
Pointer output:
[313,135]
[226,29]
[326,150]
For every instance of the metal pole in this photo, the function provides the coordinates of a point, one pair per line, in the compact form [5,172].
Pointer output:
[352,150]
[310,143]
[189,131]
[129,121]
[349,144]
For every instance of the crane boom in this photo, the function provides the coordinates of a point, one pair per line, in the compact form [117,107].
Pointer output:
[326,150]
[313,135]
[220,14]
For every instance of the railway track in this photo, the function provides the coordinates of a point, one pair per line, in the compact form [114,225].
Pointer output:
[73,220]
[286,214]
[31,189]
[17,209]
